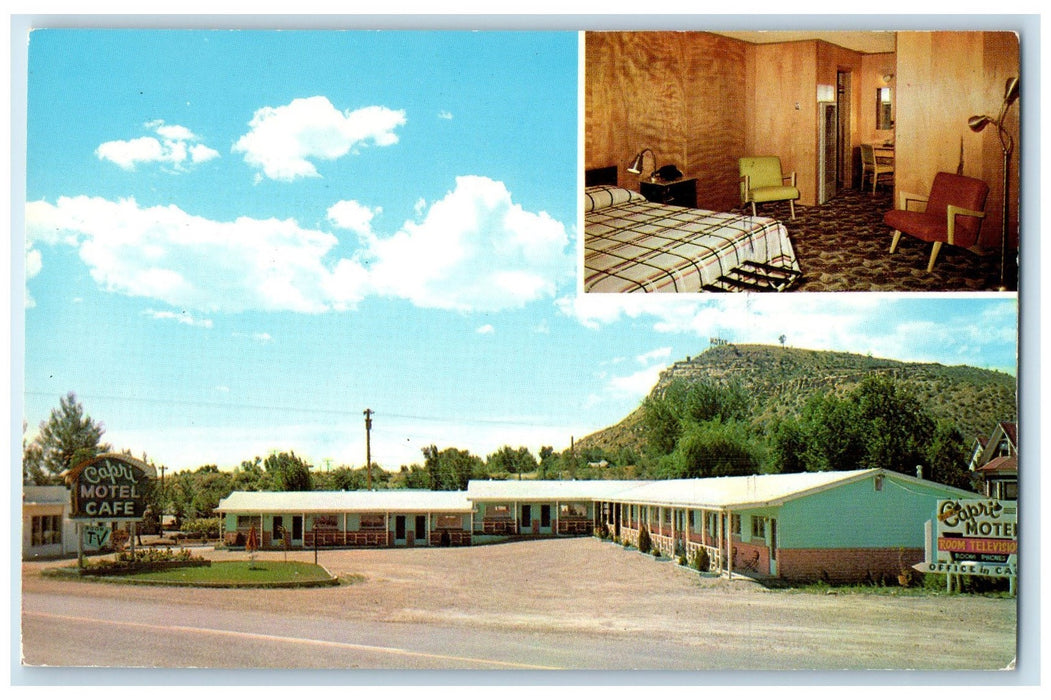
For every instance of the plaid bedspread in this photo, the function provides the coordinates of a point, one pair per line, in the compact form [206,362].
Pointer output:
[639,246]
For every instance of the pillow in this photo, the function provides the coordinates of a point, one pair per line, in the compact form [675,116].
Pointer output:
[602,196]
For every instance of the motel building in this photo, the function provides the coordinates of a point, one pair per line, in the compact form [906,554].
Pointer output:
[47,530]
[833,526]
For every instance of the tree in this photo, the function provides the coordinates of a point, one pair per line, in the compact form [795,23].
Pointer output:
[451,469]
[834,439]
[511,461]
[788,444]
[712,448]
[947,457]
[288,472]
[66,438]
[897,428]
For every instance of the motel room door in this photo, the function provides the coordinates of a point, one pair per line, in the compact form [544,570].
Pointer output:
[773,546]
[399,529]
[297,530]
[525,525]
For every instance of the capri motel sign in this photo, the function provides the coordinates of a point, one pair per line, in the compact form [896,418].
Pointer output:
[978,537]
[110,487]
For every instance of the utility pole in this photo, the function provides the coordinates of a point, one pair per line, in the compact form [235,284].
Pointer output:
[368,448]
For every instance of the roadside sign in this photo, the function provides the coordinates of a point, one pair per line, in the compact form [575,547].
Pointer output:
[109,487]
[977,537]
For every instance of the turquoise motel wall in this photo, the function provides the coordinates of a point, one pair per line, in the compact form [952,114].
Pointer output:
[860,515]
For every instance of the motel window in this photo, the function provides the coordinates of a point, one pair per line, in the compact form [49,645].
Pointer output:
[245,522]
[47,529]
[735,524]
[667,516]
[372,521]
[449,521]
[326,522]
[693,520]
[498,510]
[758,527]
[573,510]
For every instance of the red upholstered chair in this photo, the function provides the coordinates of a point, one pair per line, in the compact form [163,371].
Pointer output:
[954,213]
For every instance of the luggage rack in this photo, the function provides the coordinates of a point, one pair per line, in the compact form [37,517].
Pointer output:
[755,277]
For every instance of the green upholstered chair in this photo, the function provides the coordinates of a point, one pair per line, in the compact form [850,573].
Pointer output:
[953,214]
[762,181]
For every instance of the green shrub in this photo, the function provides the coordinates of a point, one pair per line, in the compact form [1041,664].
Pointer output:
[645,544]
[143,558]
[201,528]
[701,559]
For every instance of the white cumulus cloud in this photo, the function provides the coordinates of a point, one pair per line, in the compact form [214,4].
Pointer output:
[353,215]
[473,250]
[173,145]
[283,141]
[190,262]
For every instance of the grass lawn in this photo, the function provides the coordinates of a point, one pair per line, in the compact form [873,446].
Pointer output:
[236,573]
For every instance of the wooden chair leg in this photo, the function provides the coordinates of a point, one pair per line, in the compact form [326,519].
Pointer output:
[894,243]
[792,208]
[753,208]
[934,255]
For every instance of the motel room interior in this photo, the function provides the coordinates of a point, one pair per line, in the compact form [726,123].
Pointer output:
[701,101]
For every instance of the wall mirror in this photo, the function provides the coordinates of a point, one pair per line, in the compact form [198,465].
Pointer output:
[883,108]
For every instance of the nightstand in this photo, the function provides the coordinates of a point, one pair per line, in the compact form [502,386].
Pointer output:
[681,193]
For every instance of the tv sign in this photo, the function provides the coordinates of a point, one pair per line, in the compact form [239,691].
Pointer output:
[110,487]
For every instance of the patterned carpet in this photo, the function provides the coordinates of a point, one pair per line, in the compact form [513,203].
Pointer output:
[844,245]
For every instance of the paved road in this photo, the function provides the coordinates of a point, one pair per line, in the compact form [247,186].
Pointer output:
[83,631]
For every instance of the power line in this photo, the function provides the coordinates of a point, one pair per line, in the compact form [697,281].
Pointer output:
[300,409]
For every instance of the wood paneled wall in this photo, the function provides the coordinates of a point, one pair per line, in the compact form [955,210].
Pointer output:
[701,101]
[784,120]
[944,78]
[680,94]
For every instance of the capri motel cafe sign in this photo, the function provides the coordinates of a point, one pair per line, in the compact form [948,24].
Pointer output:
[110,487]
[977,537]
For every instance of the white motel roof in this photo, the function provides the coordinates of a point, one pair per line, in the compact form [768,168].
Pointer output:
[755,490]
[715,492]
[393,500]
[541,490]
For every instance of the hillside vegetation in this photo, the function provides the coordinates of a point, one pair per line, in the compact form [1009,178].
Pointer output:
[780,381]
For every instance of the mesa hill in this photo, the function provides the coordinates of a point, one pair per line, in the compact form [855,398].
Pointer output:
[781,379]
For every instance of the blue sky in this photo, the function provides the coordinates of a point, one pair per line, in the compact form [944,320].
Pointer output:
[236,241]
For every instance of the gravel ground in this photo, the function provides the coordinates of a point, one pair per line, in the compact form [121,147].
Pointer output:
[583,588]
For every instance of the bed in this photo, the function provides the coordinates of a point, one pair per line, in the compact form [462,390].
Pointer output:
[633,245]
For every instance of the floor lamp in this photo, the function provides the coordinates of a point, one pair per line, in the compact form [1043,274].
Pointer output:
[1007,144]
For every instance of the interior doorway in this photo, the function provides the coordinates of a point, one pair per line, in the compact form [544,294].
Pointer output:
[844,147]
[828,163]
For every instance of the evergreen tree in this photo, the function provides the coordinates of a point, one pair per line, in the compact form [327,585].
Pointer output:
[66,438]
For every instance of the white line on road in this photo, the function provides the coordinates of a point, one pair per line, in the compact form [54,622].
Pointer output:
[290,640]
